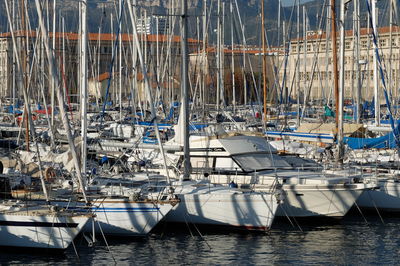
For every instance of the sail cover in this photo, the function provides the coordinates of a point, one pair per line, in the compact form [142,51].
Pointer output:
[387,141]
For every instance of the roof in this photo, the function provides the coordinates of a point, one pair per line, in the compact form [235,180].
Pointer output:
[348,33]
[101,36]
[102,77]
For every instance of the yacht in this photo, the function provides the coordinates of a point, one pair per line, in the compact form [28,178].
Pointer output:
[251,162]
[29,225]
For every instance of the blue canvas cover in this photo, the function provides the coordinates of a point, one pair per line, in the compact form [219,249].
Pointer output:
[387,141]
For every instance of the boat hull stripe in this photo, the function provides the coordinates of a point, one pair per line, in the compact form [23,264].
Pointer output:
[38,224]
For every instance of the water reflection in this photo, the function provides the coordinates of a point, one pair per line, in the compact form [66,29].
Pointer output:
[350,241]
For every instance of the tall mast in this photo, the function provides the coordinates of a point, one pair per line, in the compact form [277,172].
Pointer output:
[220,80]
[358,76]
[334,61]
[298,63]
[54,49]
[120,67]
[244,63]
[376,90]
[14,96]
[305,75]
[390,78]
[284,87]
[264,61]
[233,61]
[327,94]
[341,89]
[204,59]
[83,82]
[24,44]
[185,92]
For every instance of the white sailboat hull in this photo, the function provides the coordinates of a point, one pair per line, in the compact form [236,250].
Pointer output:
[386,198]
[247,210]
[129,218]
[319,200]
[124,217]
[311,195]
[41,231]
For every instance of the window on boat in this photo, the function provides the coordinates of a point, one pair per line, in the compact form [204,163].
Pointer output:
[260,161]
[226,163]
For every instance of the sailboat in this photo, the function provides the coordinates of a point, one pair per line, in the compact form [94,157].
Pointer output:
[387,196]
[213,204]
[253,164]
[38,226]
[30,225]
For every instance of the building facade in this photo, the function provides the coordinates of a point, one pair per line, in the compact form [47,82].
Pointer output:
[103,51]
[313,57]
[152,25]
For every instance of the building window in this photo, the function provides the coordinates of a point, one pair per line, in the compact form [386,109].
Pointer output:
[382,42]
[348,45]
[394,42]
[364,44]
[309,48]
[106,49]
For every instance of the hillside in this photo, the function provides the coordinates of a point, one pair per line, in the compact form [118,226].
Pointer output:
[102,11]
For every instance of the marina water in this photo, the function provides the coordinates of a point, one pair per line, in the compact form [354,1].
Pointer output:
[350,241]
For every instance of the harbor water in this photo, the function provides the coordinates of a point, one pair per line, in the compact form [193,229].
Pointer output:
[351,241]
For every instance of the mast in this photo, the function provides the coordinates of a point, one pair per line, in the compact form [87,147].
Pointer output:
[284,88]
[305,75]
[219,55]
[204,57]
[358,76]
[334,61]
[14,82]
[54,49]
[327,94]
[244,63]
[341,88]
[376,90]
[298,64]
[83,83]
[264,61]
[120,66]
[233,62]
[185,92]
[390,78]
[24,51]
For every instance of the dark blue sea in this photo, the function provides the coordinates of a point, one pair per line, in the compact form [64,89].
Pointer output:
[354,240]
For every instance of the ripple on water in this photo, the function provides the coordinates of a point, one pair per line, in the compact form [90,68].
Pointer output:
[348,242]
